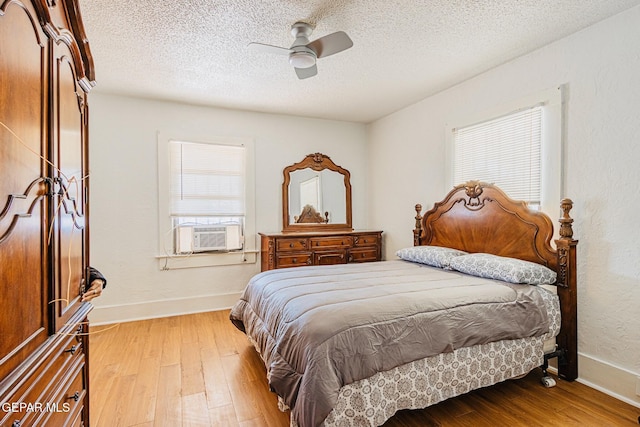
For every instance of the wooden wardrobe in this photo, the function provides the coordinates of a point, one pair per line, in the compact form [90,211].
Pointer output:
[46,71]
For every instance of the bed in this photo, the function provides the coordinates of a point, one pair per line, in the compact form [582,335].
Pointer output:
[464,308]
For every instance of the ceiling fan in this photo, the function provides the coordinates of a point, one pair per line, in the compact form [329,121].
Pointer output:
[302,53]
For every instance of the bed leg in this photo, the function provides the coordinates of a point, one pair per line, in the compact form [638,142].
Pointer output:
[547,380]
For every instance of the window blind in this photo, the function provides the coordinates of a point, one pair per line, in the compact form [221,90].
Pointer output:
[505,151]
[207,179]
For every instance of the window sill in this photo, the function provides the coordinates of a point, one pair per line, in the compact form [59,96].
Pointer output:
[175,262]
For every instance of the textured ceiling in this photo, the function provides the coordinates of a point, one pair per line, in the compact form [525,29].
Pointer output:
[195,51]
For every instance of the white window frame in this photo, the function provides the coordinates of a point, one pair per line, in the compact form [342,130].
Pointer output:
[167,259]
[552,152]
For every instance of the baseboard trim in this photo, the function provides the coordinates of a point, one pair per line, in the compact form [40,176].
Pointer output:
[609,379]
[106,315]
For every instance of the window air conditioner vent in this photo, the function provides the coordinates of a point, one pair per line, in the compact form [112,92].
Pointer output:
[201,238]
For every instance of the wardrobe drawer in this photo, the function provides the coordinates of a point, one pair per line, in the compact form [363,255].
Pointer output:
[69,400]
[39,387]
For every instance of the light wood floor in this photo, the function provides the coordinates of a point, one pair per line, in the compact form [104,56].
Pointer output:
[198,370]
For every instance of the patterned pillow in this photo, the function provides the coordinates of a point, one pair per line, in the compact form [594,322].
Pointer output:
[502,268]
[435,256]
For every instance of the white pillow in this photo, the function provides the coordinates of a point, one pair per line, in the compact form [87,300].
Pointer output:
[436,256]
[510,270]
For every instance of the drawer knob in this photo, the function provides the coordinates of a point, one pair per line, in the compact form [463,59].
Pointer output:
[75,396]
[290,245]
[72,350]
[295,260]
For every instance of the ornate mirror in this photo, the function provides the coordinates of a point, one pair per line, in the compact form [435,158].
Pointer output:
[316,196]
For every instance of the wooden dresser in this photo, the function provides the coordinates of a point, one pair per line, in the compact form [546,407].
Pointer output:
[282,250]
[46,71]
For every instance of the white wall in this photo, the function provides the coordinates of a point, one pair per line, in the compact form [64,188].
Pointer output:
[124,196]
[601,67]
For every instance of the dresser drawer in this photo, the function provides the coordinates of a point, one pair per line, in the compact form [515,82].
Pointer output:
[366,240]
[293,259]
[363,255]
[330,257]
[291,244]
[331,242]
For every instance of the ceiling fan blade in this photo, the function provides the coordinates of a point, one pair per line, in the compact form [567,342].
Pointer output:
[331,44]
[305,73]
[267,48]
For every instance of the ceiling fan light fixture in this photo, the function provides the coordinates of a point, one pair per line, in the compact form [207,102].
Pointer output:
[303,54]
[302,59]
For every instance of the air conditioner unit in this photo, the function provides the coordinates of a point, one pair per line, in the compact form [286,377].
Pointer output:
[201,238]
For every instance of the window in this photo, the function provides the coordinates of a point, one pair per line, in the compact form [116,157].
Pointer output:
[505,151]
[206,200]
[207,183]
[518,147]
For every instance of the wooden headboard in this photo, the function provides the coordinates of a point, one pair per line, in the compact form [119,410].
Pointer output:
[479,217]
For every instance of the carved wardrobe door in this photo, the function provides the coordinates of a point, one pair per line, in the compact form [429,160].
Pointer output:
[24,282]
[70,176]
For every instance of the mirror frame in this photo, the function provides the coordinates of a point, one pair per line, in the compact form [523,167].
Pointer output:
[317,162]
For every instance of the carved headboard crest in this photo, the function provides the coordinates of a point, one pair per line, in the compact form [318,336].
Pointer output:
[473,189]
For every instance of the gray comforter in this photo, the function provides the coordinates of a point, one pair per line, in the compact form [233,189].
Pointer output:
[319,328]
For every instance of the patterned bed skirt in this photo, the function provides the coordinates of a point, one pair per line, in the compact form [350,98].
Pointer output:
[425,382]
